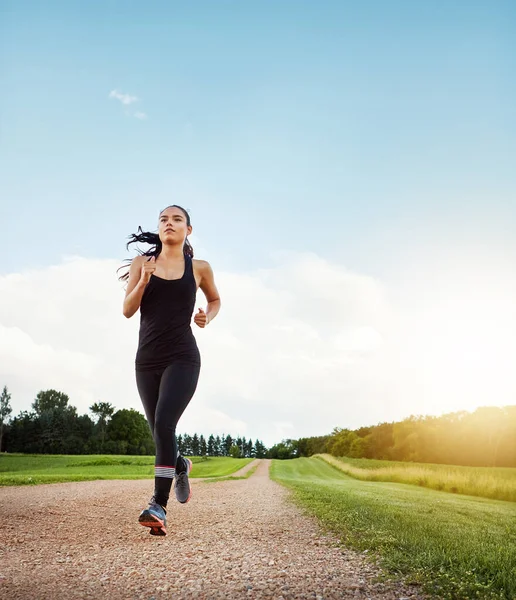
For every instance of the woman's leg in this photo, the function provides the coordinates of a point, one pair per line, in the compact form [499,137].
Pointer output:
[148,384]
[177,386]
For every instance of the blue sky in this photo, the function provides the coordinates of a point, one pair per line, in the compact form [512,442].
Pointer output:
[377,135]
[295,124]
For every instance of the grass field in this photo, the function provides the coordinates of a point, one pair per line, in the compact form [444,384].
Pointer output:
[30,469]
[498,483]
[457,547]
[231,477]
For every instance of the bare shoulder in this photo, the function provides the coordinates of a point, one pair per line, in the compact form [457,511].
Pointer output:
[202,266]
[204,275]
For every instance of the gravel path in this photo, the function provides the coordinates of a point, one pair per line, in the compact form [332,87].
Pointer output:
[234,539]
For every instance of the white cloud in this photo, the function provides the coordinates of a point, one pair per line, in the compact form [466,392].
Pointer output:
[296,350]
[125,99]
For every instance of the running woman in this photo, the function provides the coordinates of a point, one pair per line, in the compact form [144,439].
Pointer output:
[163,284]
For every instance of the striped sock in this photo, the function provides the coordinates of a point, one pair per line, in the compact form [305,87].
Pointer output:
[163,471]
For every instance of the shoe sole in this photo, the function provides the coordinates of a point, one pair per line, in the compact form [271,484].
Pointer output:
[188,471]
[157,526]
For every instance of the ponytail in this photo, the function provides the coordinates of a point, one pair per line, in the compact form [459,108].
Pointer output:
[187,249]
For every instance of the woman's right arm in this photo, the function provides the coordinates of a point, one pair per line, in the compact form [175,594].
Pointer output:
[139,276]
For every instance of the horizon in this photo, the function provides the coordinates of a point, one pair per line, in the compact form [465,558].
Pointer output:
[235,435]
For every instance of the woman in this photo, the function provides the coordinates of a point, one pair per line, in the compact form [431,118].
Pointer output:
[163,283]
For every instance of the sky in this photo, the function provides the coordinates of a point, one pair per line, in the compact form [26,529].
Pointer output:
[349,172]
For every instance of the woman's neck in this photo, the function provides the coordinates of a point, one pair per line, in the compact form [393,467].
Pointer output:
[171,253]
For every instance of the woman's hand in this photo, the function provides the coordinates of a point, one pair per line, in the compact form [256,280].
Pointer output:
[201,319]
[148,268]
[139,275]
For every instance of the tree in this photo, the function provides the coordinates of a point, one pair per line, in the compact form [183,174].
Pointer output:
[128,432]
[195,445]
[202,446]
[227,443]
[381,441]
[243,447]
[284,450]
[358,448]
[5,411]
[406,440]
[249,450]
[260,450]
[187,445]
[84,431]
[340,443]
[103,411]
[49,400]
[57,425]
[55,422]
[211,446]
[314,445]
[234,451]
[25,434]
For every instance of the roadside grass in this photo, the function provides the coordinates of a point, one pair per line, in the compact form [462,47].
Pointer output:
[498,483]
[233,477]
[456,547]
[33,469]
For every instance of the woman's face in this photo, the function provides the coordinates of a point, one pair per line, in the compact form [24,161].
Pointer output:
[172,226]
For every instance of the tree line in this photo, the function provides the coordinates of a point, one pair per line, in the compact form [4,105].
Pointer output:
[225,445]
[53,426]
[485,437]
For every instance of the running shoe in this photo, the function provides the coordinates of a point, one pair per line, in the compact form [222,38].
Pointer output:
[155,517]
[182,485]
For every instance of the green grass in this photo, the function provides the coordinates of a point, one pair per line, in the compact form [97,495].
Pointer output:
[232,477]
[30,469]
[498,483]
[456,547]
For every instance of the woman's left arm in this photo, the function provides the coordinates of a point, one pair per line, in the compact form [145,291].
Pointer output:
[207,285]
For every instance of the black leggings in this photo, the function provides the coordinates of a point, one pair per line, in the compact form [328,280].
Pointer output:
[165,393]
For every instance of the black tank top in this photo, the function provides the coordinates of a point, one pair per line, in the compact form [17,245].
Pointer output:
[165,322]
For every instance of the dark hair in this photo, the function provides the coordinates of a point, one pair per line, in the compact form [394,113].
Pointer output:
[147,237]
